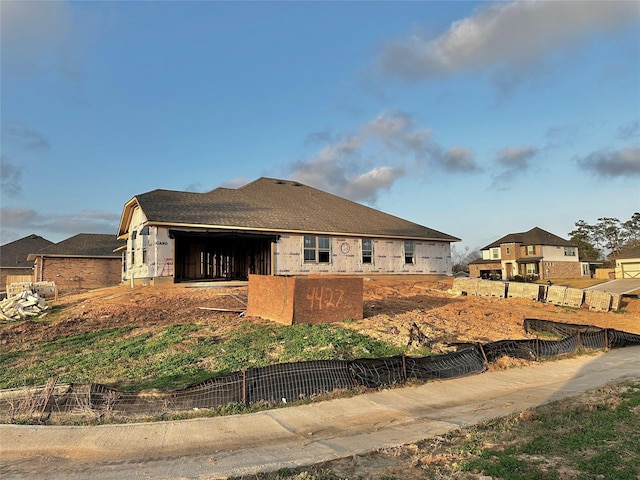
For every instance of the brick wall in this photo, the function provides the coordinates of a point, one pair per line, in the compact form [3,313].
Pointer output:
[560,270]
[74,273]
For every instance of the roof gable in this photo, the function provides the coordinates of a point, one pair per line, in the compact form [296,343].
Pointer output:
[535,236]
[14,254]
[268,204]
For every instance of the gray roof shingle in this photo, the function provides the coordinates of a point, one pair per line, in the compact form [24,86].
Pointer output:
[269,204]
[14,254]
[84,245]
[535,236]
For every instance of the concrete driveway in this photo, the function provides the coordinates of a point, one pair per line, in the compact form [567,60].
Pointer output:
[623,286]
[242,445]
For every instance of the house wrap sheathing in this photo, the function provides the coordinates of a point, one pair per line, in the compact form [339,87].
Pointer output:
[271,227]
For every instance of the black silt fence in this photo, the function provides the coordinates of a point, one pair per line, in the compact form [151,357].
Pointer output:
[619,339]
[557,328]
[452,365]
[289,382]
[293,381]
[525,349]
[595,340]
[377,372]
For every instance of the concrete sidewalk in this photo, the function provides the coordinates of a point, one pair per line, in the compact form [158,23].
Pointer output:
[297,436]
[622,286]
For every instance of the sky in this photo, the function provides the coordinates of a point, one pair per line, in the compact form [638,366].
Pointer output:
[476,119]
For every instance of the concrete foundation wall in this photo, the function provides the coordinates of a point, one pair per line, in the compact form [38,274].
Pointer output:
[293,300]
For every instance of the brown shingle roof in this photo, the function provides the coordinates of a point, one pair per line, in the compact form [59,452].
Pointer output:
[14,254]
[632,251]
[269,204]
[535,236]
[83,245]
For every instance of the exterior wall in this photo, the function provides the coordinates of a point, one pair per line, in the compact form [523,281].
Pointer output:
[475,269]
[346,257]
[70,273]
[509,251]
[550,270]
[148,256]
[627,268]
[552,253]
[489,254]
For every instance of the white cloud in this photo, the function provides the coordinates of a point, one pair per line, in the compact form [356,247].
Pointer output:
[236,182]
[512,161]
[26,137]
[630,131]
[362,165]
[18,222]
[516,157]
[617,163]
[510,37]
[459,159]
[367,186]
[10,177]
[396,130]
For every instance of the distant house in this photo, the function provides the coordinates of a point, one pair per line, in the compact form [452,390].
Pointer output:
[535,253]
[13,257]
[628,263]
[84,261]
[270,227]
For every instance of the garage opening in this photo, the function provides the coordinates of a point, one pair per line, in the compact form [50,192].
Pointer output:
[210,256]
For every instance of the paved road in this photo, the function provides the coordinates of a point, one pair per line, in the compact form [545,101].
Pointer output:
[621,286]
[266,441]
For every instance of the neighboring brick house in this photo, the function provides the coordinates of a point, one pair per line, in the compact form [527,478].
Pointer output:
[13,257]
[270,227]
[84,261]
[536,253]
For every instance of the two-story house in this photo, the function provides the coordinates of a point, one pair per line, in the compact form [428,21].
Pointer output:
[533,254]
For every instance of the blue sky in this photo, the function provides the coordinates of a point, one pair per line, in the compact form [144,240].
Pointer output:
[477,119]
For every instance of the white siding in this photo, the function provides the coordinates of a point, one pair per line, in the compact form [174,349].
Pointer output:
[158,259]
[346,257]
[492,254]
[163,252]
[551,253]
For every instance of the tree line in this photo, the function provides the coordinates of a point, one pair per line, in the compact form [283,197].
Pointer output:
[606,238]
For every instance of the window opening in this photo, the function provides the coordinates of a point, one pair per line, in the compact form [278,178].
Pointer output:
[134,235]
[367,250]
[408,251]
[317,249]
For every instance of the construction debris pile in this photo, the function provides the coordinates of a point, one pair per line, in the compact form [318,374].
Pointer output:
[22,305]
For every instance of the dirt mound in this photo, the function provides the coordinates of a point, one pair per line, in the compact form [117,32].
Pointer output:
[392,308]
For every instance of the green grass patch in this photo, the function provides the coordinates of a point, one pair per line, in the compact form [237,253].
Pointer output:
[594,440]
[136,358]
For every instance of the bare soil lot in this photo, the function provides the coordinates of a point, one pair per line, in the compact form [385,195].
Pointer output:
[392,305]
